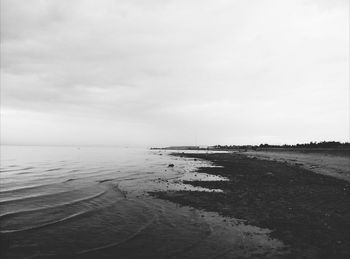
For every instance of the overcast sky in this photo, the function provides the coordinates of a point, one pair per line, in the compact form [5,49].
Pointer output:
[163,72]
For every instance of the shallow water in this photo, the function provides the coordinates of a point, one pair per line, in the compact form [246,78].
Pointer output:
[93,203]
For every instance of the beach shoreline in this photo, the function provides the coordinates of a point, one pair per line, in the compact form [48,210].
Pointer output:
[308,211]
[335,163]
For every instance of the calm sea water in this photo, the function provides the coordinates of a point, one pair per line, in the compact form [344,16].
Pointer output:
[93,203]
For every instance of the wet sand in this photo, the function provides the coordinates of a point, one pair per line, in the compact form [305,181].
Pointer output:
[307,211]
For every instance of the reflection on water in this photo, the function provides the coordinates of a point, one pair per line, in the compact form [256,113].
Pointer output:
[93,203]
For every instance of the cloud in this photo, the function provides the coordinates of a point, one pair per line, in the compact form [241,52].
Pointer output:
[248,68]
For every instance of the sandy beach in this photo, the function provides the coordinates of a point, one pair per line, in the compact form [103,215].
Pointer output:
[303,198]
[336,164]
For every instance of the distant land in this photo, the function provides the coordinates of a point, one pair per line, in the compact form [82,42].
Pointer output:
[310,145]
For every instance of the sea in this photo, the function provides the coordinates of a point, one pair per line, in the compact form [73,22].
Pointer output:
[95,202]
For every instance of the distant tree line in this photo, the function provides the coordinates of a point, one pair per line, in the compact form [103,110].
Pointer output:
[323,144]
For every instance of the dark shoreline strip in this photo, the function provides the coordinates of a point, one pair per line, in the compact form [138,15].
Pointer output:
[308,211]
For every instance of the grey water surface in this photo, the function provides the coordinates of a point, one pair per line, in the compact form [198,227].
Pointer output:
[93,202]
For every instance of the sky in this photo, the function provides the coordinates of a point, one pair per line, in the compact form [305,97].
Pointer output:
[174,72]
